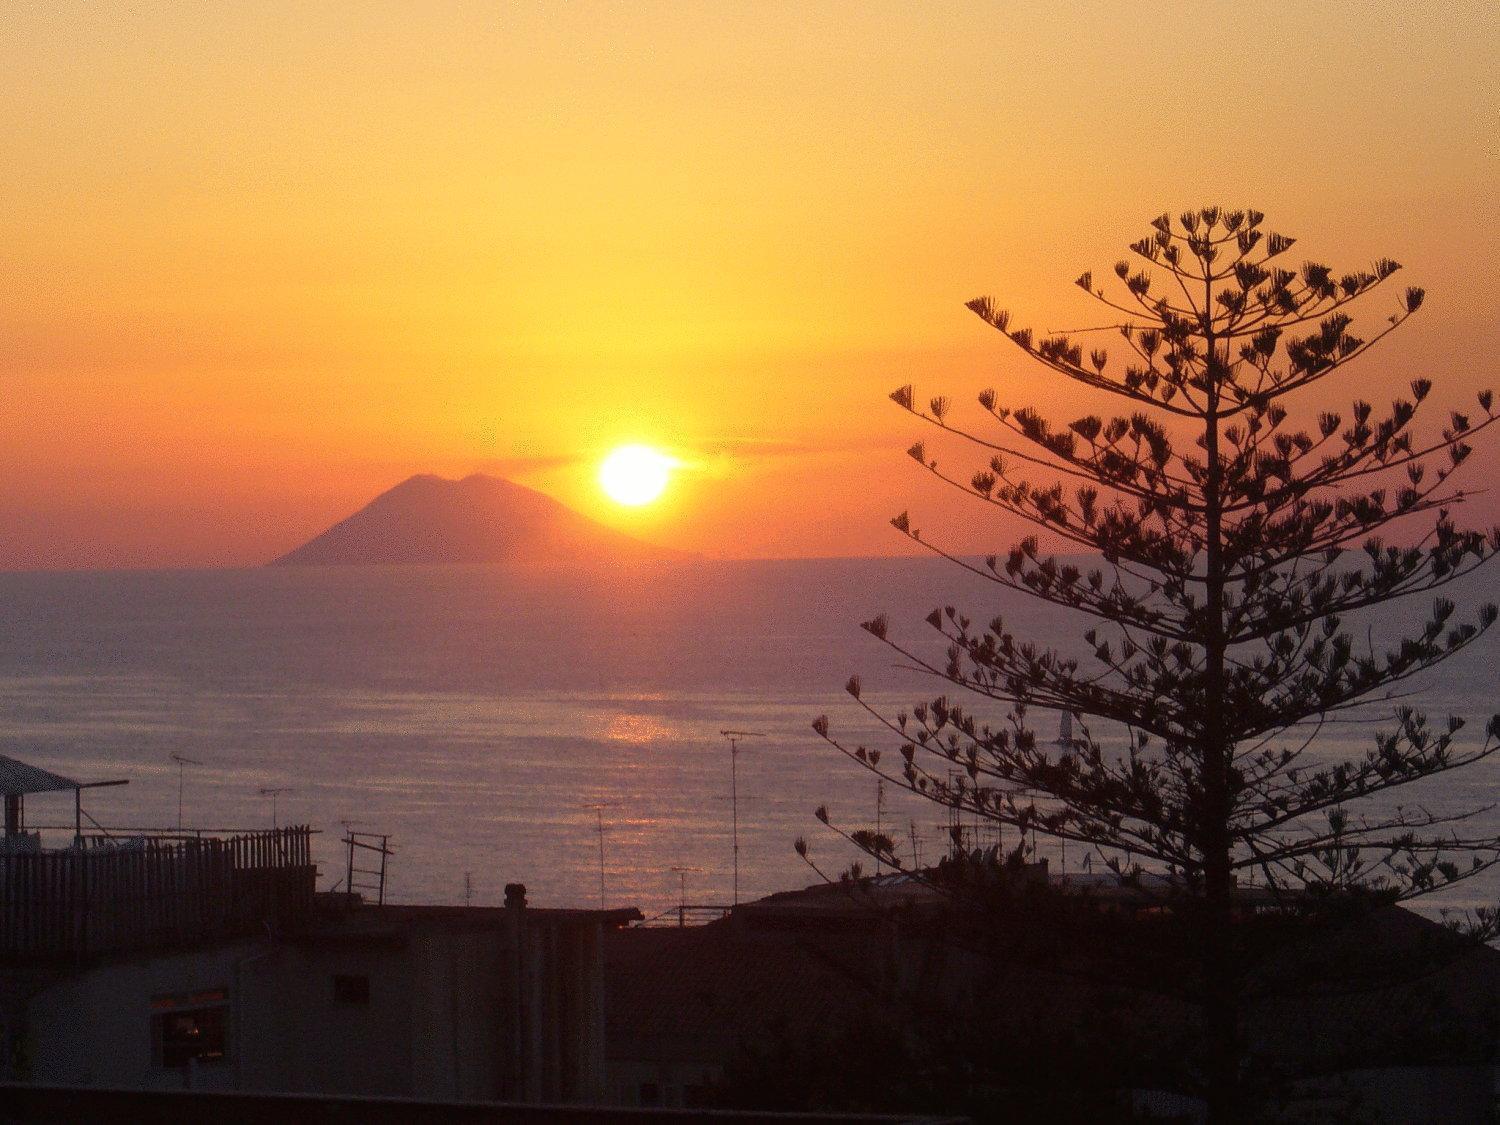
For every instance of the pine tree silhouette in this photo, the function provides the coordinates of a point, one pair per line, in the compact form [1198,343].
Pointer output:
[1232,546]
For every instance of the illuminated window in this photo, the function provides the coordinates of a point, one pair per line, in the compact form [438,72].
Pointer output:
[185,1035]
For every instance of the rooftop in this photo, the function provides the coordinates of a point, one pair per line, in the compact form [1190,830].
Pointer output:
[343,917]
[835,955]
[17,777]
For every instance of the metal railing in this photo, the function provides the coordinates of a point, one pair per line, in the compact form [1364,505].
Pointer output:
[688,914]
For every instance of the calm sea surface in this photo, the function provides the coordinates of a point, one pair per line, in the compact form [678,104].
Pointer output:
[474,715]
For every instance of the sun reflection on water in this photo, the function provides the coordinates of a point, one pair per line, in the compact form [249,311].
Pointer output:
[638,729]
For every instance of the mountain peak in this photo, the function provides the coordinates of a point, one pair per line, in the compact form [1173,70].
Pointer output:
[428,519]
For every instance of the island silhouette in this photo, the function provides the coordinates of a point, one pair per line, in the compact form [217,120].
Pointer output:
[430,520]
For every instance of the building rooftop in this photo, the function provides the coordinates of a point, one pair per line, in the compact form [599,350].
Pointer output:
[17,777]
[834,955]
[341,916]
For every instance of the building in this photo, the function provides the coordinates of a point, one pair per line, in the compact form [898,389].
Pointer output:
[764,1007]
[189,961]
[433,1003]
[172,960]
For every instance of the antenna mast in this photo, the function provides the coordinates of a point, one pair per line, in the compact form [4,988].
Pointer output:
[181,760]
[273,792]
[598,808]
[734,737]
[682,874]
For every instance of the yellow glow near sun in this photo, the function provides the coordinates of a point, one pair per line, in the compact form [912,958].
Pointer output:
[635,474]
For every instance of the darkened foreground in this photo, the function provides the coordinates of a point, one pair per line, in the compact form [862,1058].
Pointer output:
[445,1003]
[981,987]
[880,994]
[862,997]
[44,1105]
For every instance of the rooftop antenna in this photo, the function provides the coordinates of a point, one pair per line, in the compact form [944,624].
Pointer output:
[734,737]
[598,808]
[682,874]
[181,760]
[367,842]
[468,888]
[1065,737]
[273,792]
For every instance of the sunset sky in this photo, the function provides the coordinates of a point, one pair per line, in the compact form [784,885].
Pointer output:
[263,261]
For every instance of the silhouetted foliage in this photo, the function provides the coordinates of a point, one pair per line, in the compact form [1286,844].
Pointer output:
[996,1069]
[948,1027]
[1239,557]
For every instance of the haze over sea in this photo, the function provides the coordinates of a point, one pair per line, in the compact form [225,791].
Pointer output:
[474,713]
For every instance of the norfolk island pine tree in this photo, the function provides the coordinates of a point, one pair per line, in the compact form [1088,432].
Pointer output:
[1232,548]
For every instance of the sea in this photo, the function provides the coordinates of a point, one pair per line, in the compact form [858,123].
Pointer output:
[561,730]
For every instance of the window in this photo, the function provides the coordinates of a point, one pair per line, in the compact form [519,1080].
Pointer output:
[351,989]
[185,1035]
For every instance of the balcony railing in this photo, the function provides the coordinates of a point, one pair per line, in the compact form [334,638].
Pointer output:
[150,892]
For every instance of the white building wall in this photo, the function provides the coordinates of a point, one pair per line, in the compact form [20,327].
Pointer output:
[445,1018]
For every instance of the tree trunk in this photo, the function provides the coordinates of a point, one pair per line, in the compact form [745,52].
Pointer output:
[1221,986]
[1220,982]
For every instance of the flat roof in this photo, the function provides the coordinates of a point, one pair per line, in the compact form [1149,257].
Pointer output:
[391,921]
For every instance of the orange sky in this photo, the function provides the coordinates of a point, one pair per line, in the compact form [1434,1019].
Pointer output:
[263,261]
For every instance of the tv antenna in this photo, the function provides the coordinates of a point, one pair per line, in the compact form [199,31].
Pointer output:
[273,792]
[369,842]
[181,760]
[682,874]
[598,808]
[734,737]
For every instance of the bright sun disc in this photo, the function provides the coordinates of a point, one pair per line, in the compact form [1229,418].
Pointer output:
[635,474]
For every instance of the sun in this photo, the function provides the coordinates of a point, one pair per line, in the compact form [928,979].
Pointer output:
[635,474]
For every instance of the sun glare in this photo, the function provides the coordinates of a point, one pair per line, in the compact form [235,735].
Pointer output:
[635,474]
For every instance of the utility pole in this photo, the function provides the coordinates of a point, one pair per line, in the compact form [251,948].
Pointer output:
[273,793]
[734,737]
[598,809]
[181,760]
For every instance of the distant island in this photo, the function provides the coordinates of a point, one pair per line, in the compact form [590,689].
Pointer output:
[430,520]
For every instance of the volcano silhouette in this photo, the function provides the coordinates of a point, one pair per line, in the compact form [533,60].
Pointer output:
[480,519]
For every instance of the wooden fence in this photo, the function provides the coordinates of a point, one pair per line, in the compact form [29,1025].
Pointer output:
[149,893]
